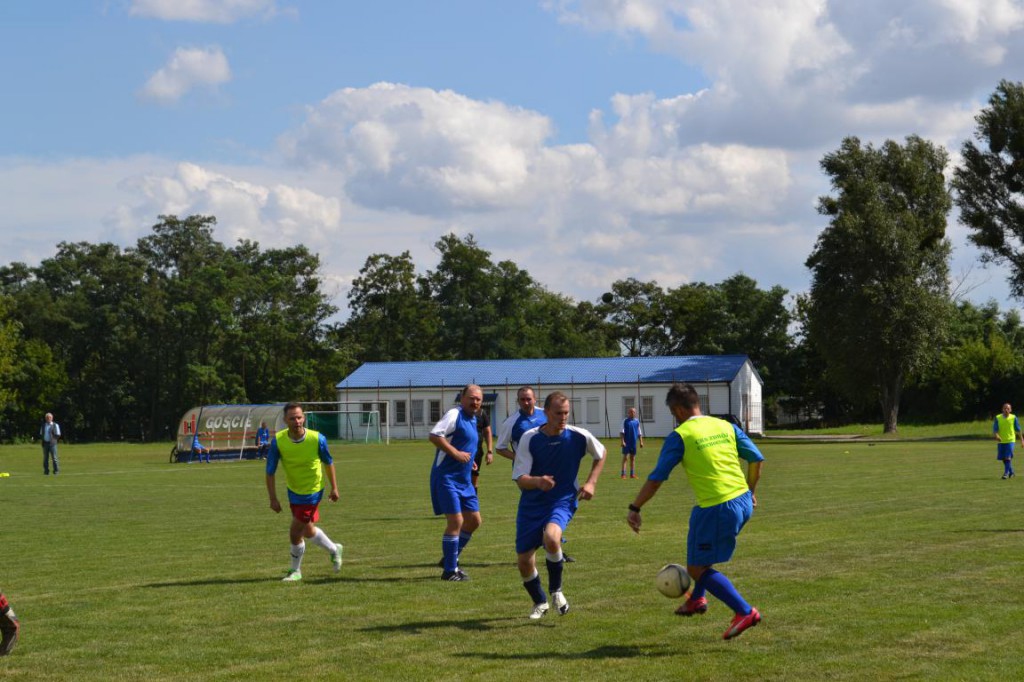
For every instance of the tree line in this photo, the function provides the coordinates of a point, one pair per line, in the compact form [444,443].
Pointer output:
[121,341]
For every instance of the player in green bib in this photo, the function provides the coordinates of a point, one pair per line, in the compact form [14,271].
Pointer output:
[305,458]
[1007,430]
[710,451]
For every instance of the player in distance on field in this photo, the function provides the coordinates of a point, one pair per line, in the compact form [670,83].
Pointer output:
[451,487]
[1006,428]
[630,436]
[546,469]
[304,455]
[710,450]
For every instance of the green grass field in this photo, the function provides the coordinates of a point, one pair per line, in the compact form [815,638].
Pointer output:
[881,562]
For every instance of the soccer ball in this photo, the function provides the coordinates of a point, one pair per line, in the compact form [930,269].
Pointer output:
[672,581]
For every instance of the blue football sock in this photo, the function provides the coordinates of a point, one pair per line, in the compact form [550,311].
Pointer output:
[536,591]
[718,585]
[450,547]
[464,539]
[554,574]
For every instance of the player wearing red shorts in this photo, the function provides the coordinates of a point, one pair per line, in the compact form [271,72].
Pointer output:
[304,455]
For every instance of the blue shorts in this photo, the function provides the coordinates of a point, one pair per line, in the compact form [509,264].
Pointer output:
[1004,451]
[713,530]
[531,521]
[452,497]
[629,450]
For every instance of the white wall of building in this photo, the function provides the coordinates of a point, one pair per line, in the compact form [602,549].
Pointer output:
[597,408]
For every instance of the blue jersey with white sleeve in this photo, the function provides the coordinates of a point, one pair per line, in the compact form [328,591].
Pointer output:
[557,456]
[513,428]
[631,433]
[459,429]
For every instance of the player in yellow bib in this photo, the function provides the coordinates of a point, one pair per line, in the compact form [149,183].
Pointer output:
[710,451]
[1006,429]
[304,455]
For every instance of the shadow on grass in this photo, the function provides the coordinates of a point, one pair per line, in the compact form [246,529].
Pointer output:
[606,651]
[475,625]
[212,581]
[462,564]
[347,579]
[989,530]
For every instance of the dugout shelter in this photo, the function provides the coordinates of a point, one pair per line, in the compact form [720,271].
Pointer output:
[229,431]
[412,396]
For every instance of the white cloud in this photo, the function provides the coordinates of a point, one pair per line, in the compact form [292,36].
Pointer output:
[421,149]
[209,11]
[187,68]
[244,209]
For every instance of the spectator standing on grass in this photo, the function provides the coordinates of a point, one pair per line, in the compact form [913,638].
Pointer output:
[49,434]
[630,436]
[710,450]
[455,438]
[546,469]
[9,626]
[305,458]
[512,429]
[1006,429]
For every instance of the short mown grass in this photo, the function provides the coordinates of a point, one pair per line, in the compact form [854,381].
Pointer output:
[869,561]
[977,430]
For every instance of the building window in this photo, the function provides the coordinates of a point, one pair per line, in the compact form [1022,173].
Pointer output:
[416,410]
[647,408]
[435,411]
[628,403]
[704,409]
[575,413]
[400,412]
[593,410]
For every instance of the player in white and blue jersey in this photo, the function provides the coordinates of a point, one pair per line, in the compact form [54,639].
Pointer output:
[525,418]
[546,469]
[629,435]
[451,487]
[512,429]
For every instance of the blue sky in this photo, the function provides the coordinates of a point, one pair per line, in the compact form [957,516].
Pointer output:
[588,140]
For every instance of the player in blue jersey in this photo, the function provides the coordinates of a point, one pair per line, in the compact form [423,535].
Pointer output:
[546,469]
[451,487]
[9,626]
[630,436]
[512,429]
[1006,429]
[199,450]
[710,451]
[304,455]
[262,440]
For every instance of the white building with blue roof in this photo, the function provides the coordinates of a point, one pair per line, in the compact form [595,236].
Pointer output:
[412,396]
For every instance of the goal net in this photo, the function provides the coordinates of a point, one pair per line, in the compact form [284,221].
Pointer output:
[350,422]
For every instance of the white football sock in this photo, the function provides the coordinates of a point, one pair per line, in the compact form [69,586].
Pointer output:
[297,552]
[320,538]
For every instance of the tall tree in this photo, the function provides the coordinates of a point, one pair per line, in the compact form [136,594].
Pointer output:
[989,183]
[879,292]
[636,315]
[391,318]
[463,288]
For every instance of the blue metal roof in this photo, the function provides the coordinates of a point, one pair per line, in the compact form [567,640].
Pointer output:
[548,371]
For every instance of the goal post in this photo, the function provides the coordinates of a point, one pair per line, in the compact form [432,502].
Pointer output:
[349,421]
